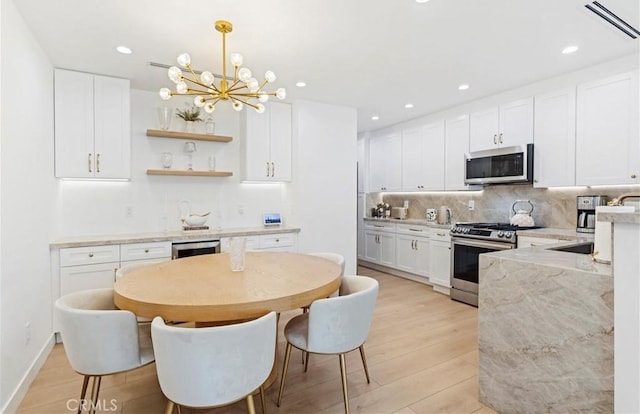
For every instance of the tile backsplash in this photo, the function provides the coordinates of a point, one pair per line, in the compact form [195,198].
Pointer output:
[552,207]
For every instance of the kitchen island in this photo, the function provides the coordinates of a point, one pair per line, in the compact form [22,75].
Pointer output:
[545,327]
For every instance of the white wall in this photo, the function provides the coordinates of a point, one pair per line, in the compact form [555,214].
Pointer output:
[28,188]
[325,179]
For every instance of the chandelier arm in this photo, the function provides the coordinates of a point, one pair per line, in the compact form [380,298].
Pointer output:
[235,98]
[232,88]
[212,86]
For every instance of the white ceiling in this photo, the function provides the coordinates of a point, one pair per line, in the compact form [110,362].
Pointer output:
[374,55]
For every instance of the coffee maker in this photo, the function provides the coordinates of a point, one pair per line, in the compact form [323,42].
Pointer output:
[586,212]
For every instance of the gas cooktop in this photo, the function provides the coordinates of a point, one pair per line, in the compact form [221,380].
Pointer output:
[502,232]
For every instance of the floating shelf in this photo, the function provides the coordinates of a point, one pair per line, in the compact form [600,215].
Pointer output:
[191,173]
[187,135]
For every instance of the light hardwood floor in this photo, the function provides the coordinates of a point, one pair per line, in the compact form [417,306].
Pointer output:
[422,354]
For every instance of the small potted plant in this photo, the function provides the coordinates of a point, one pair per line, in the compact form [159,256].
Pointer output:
[190,115]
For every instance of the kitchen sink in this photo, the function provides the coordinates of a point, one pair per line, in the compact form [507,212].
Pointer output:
[582,248]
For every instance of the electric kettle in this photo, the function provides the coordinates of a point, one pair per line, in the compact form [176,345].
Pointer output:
[522,217]
[444,215]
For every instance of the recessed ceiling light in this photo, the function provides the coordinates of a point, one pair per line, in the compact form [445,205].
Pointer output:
[301,84]
[375,118]
[569,49]
[463,87]
[124,50]
[408,106]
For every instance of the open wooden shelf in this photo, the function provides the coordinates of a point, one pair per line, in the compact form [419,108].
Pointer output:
[191,173]
[187,135]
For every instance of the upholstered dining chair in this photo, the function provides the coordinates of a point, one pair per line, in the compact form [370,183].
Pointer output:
[335,325]
[99,339]
[130,267]
[214,366]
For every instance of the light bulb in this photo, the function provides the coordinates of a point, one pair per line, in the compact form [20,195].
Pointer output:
[206,77]
[270,76]
[181,87]
[253,85]
[236,59]
[237,106]
[260,108]
[175,74]
[184,60]
[209,107]
[281,93]
[199,101]
[263,97]
[244,74]
[165,93]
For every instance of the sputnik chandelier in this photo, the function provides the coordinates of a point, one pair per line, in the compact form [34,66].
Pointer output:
[243,88]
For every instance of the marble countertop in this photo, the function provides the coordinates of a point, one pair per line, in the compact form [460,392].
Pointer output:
[556,233]
[624,217]
[179,235]
[420,222]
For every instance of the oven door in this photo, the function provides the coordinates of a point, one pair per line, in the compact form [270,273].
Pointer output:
[464,261]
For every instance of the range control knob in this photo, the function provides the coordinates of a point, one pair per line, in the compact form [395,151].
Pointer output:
[508,234]
[500,233]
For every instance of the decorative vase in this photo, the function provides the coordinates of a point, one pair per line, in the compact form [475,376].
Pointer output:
[190,126]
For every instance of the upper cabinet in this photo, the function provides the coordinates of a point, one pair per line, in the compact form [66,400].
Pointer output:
[555,139]
[92,126]
[385,157]
[503,126]
[423,158]
[361,165]
[267,141]
[607,140]
[456,145]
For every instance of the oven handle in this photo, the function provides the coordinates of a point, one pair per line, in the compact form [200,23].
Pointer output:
[486,244]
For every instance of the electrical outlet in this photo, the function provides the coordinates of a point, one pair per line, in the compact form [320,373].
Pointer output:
[241,208]
[27,333]
[471,205]
[128,211]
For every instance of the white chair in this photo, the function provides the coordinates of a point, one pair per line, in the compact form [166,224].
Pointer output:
[130,267]
[99,339]
[334,325]
[334,257]
[210,367]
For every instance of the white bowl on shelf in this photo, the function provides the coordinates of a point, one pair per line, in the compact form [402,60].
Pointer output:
[196,219]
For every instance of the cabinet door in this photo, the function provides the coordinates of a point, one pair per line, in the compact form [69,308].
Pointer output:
[516,123]
[280,138]
[607,140]
[112,130]
[405,253]
[456,145]
[555,139]
[423,256]
[412,173]
[440,263]
[360,225]
[371,247]
[75,278]
[432,172]
[361,166]
[73,99]
[385,159]
[387,249]
[256,145]
[484,128]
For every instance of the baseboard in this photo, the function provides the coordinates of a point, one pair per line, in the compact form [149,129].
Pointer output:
[400,273]
[23,387]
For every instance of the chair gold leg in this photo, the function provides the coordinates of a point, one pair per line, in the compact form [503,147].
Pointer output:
[85,383]
[345,392]
[95,392]
[306,361]
[179,407]
[251,408]
[169,408]
[263,401]
[364,363]
[285,366]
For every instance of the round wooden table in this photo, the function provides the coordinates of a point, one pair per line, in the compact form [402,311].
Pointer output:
[204,289]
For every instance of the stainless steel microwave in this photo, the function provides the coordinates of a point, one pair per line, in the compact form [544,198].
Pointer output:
[506,165]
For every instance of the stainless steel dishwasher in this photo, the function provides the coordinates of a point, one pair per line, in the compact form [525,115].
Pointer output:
[194,248]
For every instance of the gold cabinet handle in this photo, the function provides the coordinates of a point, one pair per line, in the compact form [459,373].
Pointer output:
[500,138]
[146,250]
[495,138]
[267,168]
[90,254]
[273,169]
[97,162]
[89,163]
[633,176]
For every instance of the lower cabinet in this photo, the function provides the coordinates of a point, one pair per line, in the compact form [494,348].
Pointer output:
[380,243]
[279,242]
[413,250]
[440,258]
[526,241]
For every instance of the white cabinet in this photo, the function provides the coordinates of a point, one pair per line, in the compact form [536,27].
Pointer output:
[144,252]
[423,158]
[413,249]
[555,139]
[503,126]
[88,267]
[385,158]
[92,126]
[360,225]
[440,258]
[362,164]
[456,145]
[380,243]
[607,139]
[277,242]
[266,143]
[527,241]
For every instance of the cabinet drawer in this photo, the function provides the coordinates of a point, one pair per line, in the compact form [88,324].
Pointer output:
[381,226]
[141,251]
[269,241]
[440,235]
[76,278]
[76,256]
[413,230]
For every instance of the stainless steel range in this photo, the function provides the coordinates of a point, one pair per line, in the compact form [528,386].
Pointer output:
[468,241]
